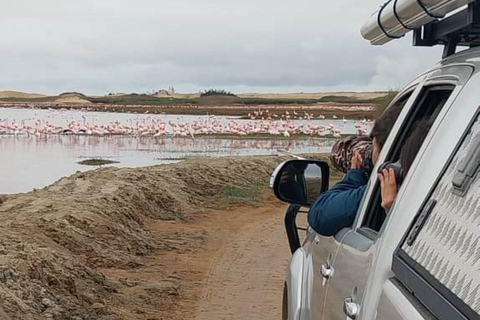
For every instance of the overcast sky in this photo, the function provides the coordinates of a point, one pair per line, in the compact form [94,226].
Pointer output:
[99,46]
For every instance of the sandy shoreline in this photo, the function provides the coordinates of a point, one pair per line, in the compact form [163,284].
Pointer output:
[141,243]
[84,245]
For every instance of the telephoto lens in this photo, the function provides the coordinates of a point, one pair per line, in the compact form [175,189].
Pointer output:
[344,149]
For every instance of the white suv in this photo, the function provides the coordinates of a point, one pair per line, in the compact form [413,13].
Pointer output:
[422,259]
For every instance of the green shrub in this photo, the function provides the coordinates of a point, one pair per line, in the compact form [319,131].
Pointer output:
[216,92]
[96,162]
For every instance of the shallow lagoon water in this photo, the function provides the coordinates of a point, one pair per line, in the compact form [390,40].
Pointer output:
[28,163]
[63,117]
[35,162]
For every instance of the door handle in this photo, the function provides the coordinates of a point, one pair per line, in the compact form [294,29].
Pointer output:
[326,271]
[351,308]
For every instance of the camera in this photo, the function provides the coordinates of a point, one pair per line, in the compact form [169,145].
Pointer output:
[344,149]
[367,161]
[397,168]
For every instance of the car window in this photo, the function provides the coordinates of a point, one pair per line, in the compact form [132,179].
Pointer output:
[439,257]
[416,126]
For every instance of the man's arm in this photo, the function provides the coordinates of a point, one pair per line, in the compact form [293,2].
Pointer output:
[336,208]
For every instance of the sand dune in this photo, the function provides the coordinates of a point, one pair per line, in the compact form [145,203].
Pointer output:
[298,95]
[18,94]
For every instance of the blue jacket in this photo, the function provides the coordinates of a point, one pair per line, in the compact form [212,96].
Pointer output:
[336,208]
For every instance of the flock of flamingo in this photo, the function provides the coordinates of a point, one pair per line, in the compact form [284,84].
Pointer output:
[259,123]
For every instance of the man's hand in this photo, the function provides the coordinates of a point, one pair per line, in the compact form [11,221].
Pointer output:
[389,188]
[357,161]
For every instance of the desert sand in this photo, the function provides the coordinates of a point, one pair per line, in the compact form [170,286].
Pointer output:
[17,94]
[152,243]
[124,243]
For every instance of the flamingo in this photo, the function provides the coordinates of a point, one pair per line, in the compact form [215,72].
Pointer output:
[260,121]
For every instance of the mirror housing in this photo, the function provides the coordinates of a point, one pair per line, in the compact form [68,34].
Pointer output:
[300,181]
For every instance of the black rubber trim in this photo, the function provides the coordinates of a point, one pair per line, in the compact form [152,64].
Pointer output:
[441,303]
[368,233]
[425,314]
[431,14]
[291,227]
[380,22]
[422,218]
[418,280]
[398,17]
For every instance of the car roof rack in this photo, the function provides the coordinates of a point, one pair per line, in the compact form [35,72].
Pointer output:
[459,29]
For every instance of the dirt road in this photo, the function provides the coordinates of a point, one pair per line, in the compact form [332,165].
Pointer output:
[163,242]
[245,279]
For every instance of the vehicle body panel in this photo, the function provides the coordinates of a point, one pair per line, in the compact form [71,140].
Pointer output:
[430,161]
[352,266]
[362,264]
[324,252]
[295,282]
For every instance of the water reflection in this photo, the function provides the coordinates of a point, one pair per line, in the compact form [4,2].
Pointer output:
[34,162]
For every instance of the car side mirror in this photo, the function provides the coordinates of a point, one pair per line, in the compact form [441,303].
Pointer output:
[300,181]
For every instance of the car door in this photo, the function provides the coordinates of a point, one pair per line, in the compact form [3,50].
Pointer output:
[354,259]
[322,252]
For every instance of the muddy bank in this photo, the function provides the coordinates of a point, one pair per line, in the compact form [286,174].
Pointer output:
[328,109]
[58,244]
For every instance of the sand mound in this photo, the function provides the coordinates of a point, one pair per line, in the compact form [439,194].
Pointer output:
[177,95]
[54,242]
[72,99]
[17,94]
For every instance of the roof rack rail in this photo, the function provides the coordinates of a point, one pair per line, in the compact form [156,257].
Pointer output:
[459,29]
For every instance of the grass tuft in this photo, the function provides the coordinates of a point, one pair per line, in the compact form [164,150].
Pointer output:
[248,195]
[96,162]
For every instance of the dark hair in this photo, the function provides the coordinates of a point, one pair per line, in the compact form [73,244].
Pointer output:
[413,144]
[384,124]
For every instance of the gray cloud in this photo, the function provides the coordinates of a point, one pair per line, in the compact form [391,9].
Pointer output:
[99,46]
